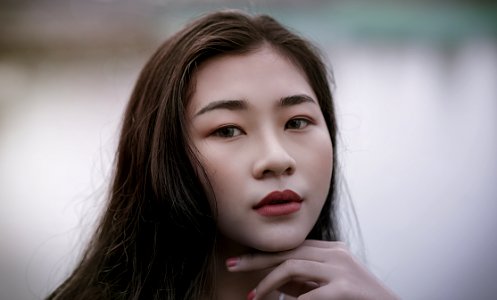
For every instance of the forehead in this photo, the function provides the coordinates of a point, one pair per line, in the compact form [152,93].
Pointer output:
[263,73]
[265,54]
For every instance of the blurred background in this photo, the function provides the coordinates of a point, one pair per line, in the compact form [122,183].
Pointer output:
[416,97]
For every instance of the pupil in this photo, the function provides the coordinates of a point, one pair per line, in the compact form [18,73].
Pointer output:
[227,131]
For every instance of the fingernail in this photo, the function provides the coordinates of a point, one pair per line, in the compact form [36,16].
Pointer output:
[232,262]
[251,295]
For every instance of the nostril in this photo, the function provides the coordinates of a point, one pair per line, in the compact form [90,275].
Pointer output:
[275,162]
[289,170]
[278,171]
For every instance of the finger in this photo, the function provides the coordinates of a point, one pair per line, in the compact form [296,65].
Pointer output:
[298,286]
[315,294]
[324,244]
[293,270]
[323,293]
[259,261]
[343,289]
[319,251]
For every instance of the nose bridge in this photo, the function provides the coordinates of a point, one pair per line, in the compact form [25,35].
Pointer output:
[273,156]
[273,143]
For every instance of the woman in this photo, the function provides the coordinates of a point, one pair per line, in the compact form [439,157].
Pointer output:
[224,177]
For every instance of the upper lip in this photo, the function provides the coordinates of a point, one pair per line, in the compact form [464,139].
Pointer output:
[278,197]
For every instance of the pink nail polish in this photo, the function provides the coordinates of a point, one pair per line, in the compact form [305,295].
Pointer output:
[251,295]
[232,262]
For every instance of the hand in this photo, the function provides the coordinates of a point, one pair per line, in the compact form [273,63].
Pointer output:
[314,270]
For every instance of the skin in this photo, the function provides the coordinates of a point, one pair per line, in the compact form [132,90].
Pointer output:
[257,127]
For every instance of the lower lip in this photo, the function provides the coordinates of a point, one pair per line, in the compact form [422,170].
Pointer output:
[275,210]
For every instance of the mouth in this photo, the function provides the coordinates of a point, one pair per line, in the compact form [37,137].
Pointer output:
[279,203]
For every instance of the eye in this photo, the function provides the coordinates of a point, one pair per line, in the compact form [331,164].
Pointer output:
[227,131]
[297,123]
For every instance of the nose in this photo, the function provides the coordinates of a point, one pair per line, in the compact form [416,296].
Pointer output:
[272,159]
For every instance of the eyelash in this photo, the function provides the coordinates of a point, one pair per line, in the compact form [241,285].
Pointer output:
[221,131]
[306,122]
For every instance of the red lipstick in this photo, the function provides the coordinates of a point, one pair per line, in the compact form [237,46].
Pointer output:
[279,204]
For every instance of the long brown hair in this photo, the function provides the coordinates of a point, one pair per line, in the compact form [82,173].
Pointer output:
[156,239]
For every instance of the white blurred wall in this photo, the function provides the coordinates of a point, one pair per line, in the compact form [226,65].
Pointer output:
[418,126]
[419,133]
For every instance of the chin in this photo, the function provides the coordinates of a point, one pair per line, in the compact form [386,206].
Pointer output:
[280,244]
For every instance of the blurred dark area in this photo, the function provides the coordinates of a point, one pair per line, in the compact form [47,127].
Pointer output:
[106,27]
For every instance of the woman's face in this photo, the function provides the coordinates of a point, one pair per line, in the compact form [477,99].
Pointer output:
[265,147]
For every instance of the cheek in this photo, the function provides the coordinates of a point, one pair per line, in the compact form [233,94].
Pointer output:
[205,173]
[224,165]
[219,180]
[319,170]
[318,161]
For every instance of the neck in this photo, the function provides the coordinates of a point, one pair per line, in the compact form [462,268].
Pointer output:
[235,285]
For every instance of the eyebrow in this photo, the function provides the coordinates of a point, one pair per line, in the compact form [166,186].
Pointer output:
[295,100]
[242,104]
[223,104]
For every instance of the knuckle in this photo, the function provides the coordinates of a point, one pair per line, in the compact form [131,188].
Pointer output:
[344,289]
[290,265]
[339,250]
[342,253]
[341,245]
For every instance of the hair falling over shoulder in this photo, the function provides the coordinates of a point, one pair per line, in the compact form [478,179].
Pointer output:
[157,236]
